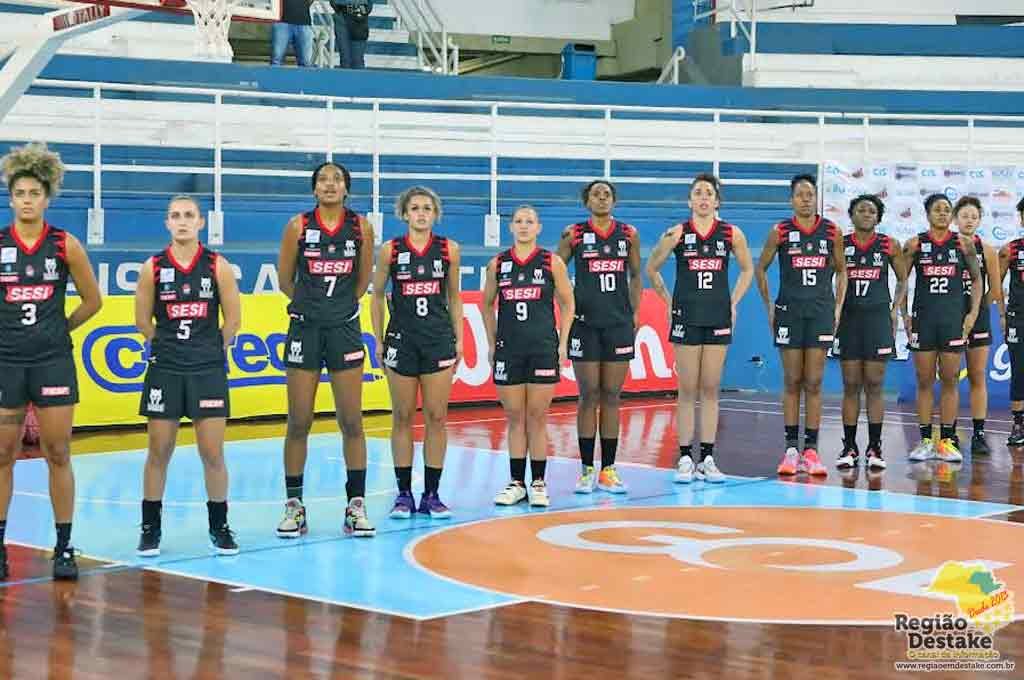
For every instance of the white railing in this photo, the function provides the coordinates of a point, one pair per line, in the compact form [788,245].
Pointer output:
[223,120]
[742,16]
[670,74]
[436,50]
[322,16]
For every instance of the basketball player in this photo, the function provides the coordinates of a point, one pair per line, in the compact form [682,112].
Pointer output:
[702,315]
[36,362]
[866,338]
[422,344]
[1011,261]
[606,257]
[967,214]
[185,288]
[325,263]
[939,327]
[527,347]
[805,314]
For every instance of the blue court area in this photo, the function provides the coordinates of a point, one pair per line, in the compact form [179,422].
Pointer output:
[373,574]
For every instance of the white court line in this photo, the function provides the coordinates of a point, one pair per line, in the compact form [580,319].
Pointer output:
[838,408]
[472,610]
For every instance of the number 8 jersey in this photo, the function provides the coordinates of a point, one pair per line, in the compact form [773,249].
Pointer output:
[33,282]
[419,288]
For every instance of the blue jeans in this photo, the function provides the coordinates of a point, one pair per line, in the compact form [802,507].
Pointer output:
[350,52]
[300,36]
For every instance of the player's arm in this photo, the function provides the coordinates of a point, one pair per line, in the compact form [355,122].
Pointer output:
[286,256]
[455,295]
[971,255]
[566,305]
[909,251]
[839,264]
[85,283]
[1004,266]
[490,295]
[901,268]
[365,257]
[636,278]
[666,244]
[565,244]
[771,246]
[144,301]
[230,300]
[741,251]
[995,281]
[377,301]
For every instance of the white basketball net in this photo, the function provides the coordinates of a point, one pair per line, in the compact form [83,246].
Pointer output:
[213,21]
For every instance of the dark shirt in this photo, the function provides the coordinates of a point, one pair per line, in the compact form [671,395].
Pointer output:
[296,12]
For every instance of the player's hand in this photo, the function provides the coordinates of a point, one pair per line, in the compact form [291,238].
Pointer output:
[732,312]
[1002,324]
[968,325]
[894,315]
[563,355]
[835,321]
[458,352]
[908,324]
[636,321]
[378,353]
[771,319]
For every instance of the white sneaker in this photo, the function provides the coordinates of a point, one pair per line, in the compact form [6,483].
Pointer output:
[539,494]
[511,494]
[709,472]
[293,524]
[585,482]
[925,450]
[356,522]
[684,470]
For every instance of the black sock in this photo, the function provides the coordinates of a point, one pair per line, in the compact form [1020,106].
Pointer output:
[587,450]
[875,435]
[403,475]
[431,478]
[151,511]
[979,427]
[518,468]
[686,451]
[947,431]
[218,514]
[63,536]
[609,447]
[792,436]
[850,436]
[355,484]
[926,431]
[3,530]
[706,449]
[293,486]
[1018,417]
[538,468]
[810,438]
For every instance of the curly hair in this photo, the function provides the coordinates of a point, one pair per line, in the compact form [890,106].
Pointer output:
[35,161]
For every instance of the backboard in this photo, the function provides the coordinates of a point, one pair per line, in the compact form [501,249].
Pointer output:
[241,10]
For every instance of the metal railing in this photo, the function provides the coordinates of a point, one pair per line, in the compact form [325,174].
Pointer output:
[146,116]
[435,49]
[742,17]
[670,74]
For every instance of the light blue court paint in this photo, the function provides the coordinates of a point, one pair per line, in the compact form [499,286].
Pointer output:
[370,574]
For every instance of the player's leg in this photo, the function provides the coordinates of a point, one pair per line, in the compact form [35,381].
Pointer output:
[585,351]
[925,364]
[347,386]
[712,362]
[302,384]
[853,383]
[513,400]
[977,367]
[55,442]
[874,379]
[949,405]
[814,372]
[538,401]
[404,390]
[793,383]
[437,389]
[1015,345]
[688,368]
[210,442]
[613,376]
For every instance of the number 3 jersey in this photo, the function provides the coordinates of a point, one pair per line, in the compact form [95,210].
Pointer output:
[187,311]
[33,282]
[419,289]
[701,296]
[526,313]
[806,266]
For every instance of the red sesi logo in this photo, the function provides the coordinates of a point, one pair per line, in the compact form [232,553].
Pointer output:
[939,270]
[866,273]
[330,267]
[421,288]
[29,293]
[809,262]
[187,310]
[607,265]
[527,293]
[705,264]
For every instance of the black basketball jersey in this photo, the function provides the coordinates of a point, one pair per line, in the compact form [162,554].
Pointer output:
[979,247]
[805,264]
[327,264]
[867,271]
[419,288]
[526,295]
[701,296]
[602,282]
[939,283]
[33,280]
[187,309]
[1015,271]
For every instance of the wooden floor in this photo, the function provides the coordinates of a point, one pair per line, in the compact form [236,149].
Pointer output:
[121,623]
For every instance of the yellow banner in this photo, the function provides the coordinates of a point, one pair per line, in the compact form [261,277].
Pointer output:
[111,360]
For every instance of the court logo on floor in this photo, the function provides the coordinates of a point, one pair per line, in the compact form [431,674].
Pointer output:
[787,565]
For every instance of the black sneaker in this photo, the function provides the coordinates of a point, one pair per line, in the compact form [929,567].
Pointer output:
[1016,437]
[4,570]
[223,541]
[848,458]
[875,460]
[64,566]
[149,541]
[979,445]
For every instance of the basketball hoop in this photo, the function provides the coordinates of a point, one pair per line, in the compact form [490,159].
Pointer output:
[213,21]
